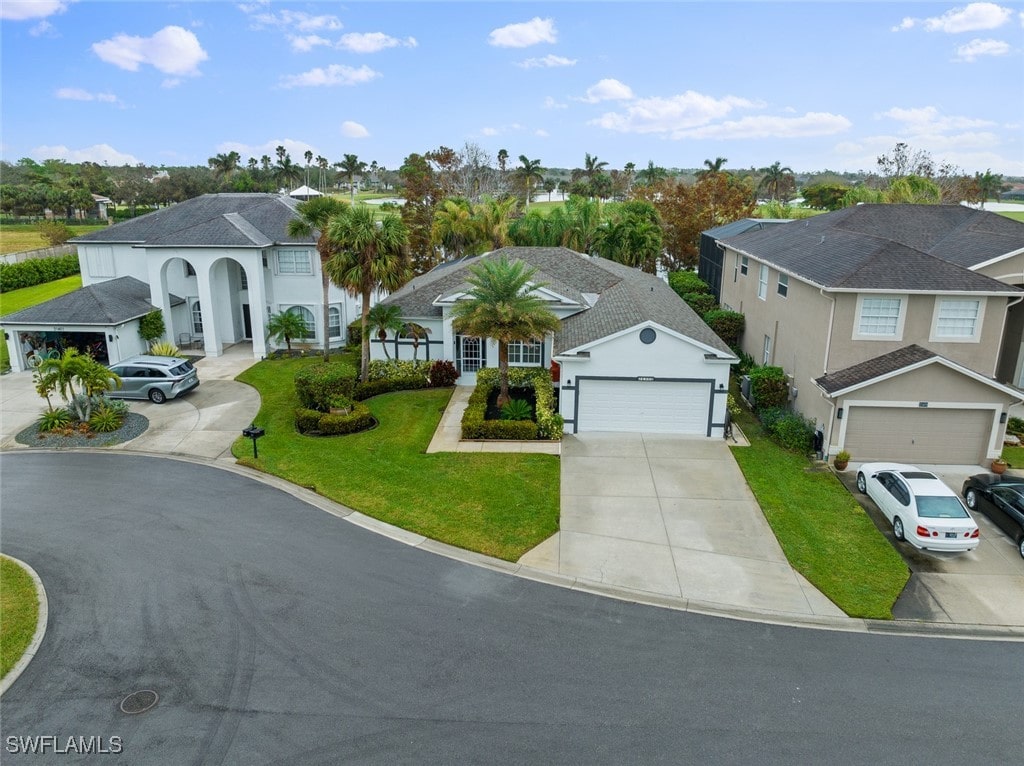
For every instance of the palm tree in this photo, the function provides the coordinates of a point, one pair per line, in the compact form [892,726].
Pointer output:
[314,215]
[417,332]
[494,217]
[501,306]
[454,228]
[224,165]
[351,167]
[776,179]
[383,319]
[321,180]
[634,238]
[502,159]
[630,170]
[576,223]
[286,325]
[309,158]
[529,172]
[286,172]
[712,168]
[72,369]
[591,166]
[370,256]
[989,185]
[651,174]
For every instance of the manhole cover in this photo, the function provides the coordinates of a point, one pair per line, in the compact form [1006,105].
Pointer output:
[139,702]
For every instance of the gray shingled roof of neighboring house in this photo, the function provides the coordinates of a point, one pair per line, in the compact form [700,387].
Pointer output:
[213,220]
[874,368]
[626,296]
[889,247]
[104,303]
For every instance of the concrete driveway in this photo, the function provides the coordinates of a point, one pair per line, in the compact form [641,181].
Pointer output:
[671,516]
[203,423]
[983,587]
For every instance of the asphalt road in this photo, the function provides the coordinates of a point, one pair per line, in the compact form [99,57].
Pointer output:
[276,633]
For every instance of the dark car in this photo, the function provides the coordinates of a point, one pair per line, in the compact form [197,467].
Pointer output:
[1000,500]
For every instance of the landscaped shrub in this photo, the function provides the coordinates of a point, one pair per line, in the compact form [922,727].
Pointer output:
[307,420]
[104,420]
[359,419]
[769,387]
[745,364]
[317,384]
[355,333]
[686,282]
[378,387]
[517,409]
[702,303]
[1015,426]
[381,369]
[54,420]
[443,374]
[36,271]
[793,432]
[151,326]
[549,424]
[164,348]
[727,325]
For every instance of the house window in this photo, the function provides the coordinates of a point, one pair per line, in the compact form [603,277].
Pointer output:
[957,319]
[880,317]
[333,322]
[744,265]
[243,278]
[762,282]
[767,356]
[307,317]
[529,353]
[294,262]
[189,271]
[783,285]
[197,318]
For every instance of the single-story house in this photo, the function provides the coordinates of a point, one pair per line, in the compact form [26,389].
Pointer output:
[631,354]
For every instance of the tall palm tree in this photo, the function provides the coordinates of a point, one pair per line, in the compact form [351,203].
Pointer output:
[321,179]
[309,158]
[314,216]
[286,172]
[383,319]
[502,159]
[501,306]
[224,165]
[630,171]
[712,168]
[989,185]
[370,256]
[592,166]
[351,167]
[776,178]
[529,172]
[652,174]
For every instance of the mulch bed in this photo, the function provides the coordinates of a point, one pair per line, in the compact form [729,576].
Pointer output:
[134,425]
[493,413]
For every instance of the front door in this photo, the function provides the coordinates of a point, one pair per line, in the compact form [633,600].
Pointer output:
[470,356]
[246,322]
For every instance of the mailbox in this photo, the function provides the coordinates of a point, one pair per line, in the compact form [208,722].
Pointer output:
[253,432]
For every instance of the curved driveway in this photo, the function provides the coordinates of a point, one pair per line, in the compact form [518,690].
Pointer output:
[276,633]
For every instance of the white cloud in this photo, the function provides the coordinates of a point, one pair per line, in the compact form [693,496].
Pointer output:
[306,43]
[489,131]
[335,74]
[551,103]
[969,18]
[767,126]
[371,42]
[297,149]
[978,47]
[927,119]
[297,21]
[173,50]
[907,23]
[666,115]
[351,129]
[608,90]
[81,94]
[19,10]
[547,61]
[541,133]
[525,34]
[44,27]
[102,154]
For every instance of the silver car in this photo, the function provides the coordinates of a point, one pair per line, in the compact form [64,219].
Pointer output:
[157,378]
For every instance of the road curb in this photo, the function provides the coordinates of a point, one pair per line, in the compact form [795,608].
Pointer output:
[37,637]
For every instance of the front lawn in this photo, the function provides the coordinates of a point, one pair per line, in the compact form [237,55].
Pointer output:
[19,605]
[824,532]
[498,504]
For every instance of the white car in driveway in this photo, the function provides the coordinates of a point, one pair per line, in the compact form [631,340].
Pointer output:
[922,509]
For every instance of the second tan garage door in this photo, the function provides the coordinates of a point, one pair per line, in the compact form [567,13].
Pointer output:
[918,435]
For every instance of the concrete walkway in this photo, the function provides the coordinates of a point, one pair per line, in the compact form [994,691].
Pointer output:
[671,516]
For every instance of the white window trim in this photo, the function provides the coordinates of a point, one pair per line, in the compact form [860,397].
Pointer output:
[898,335]
[277,263]
[309,308]
[341,329]
[762,282]
[766,350]
[782,288]
[933,335]
[520,346]
[744,265]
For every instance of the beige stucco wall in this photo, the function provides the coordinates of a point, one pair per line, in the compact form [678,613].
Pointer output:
[1009,270]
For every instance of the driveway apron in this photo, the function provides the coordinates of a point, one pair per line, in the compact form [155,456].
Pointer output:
[673,516]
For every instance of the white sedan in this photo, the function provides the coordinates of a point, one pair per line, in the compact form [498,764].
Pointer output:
[922,509]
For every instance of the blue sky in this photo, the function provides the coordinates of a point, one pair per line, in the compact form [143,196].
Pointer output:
[823,85]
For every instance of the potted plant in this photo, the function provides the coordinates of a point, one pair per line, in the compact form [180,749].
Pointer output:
[842,459]
[999,465]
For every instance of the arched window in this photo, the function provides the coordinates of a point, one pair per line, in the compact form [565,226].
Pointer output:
[334,323]
[307,317]
[197,319]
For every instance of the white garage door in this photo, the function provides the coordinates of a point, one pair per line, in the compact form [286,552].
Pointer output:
[651,406]
[918,434]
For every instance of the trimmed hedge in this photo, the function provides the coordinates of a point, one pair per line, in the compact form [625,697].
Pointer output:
[549,424]
[329,424]
[317,384]
[769,387]
[789,429]
[474,425]
[386,386]
[686,282]
[727,325]
[702,303]
[381,369]
[36,271]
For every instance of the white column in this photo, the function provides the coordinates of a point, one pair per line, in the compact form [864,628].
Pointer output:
[212,343]
[160,296]
[257,306]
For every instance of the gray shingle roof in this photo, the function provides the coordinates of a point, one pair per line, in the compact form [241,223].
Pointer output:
[104,303]
[889,247]
[874,368]
[626,296]
[213,220]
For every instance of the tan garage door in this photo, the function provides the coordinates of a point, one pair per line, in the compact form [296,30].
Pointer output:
[918,434]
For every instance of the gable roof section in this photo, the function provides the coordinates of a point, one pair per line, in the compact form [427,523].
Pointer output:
[213,220]
[896,363]
[926,248]
[625,297]
[105,303]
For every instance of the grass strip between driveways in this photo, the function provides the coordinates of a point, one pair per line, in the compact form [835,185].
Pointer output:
[826,535]
[19,605]
[499,504]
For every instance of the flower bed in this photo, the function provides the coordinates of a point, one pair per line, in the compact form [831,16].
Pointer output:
[548,426]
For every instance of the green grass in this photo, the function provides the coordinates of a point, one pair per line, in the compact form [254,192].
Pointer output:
[19,237]
[16,300]
[1013,214]
[1014,456]
[824,532]
[19,606]
[500,505]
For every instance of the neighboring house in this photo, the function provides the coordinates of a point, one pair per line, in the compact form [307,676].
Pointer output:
[899,325]
[633,356]
[229,257]
[710,265]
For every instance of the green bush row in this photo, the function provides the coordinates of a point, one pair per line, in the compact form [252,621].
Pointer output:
[386,386]
[686,282]
[790,429]
[380,369]
[317,384]
[549,425]
[36,271]
[331,424]
[475,426]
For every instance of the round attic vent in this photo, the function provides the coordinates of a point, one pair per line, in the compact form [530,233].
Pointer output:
[647,335]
